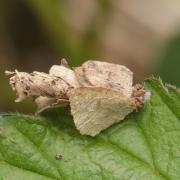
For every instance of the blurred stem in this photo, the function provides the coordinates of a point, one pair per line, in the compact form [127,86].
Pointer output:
[50,13]
[98,25]
[64,39]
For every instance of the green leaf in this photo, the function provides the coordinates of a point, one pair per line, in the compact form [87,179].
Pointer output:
[146,145]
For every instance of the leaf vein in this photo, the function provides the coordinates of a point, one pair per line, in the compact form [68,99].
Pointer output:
[41,152]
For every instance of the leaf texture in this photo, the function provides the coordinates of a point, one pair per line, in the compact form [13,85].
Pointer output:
[146,145]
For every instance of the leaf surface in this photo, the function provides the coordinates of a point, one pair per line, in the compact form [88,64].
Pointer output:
[146,145]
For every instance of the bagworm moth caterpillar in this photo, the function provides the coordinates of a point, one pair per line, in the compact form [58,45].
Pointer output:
[99,93]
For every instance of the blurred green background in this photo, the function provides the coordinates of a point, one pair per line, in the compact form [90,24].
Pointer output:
[35,34]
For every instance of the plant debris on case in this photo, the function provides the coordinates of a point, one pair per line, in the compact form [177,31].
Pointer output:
[99,93]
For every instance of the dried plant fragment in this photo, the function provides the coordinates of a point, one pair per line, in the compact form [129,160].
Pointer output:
[99,93]
[96,108]
[138,95]
[81,78]
[38,84]
[47,102]
[65,74]
[107,75]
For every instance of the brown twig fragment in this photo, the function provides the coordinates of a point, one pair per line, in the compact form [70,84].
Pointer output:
[138,95]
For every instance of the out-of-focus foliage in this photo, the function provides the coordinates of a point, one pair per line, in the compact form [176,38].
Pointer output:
[62,36]
[34,34]
[169,67]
